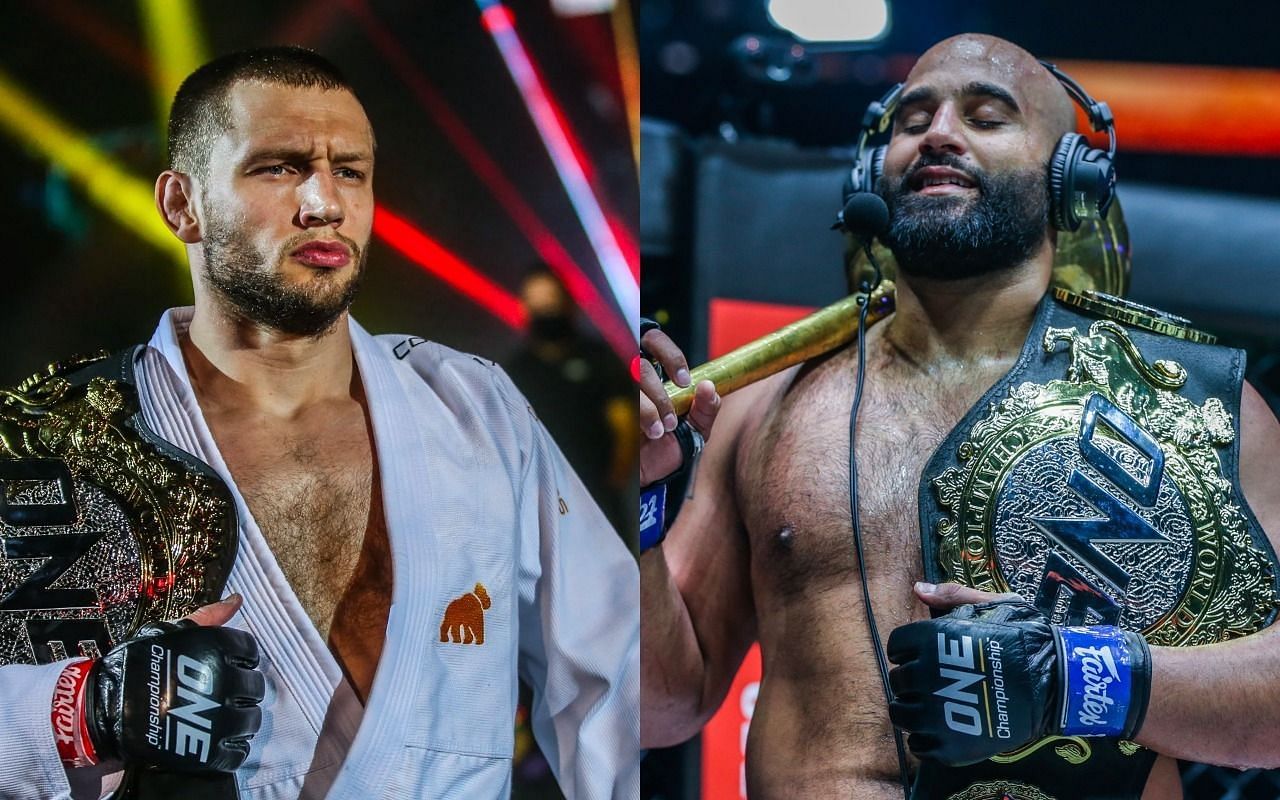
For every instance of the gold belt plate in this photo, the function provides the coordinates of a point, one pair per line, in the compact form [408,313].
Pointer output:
[1194,577]
[102,531]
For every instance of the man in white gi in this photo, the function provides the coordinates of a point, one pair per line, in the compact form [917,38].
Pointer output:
[411,540]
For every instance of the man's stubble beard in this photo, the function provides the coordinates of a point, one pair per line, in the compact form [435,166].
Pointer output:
[250,288]
[955,238]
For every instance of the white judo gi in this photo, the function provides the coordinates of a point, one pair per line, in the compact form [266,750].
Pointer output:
[474,491]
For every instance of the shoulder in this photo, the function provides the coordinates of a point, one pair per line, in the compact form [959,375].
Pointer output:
[466,383]
[440,366]
[738,426]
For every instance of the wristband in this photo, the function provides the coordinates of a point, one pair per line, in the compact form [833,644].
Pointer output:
[653,506]
[70,728]
[1097,680]
[654,519]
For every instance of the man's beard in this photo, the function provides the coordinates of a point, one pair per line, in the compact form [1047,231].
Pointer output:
[256,290]
[957,237]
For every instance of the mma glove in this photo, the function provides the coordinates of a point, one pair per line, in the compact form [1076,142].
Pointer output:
[990,678]
[178,696]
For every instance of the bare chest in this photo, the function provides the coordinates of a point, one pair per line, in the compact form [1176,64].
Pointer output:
[792,483]
[794,477]
[312,494]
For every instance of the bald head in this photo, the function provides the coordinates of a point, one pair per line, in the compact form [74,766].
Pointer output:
[1039,94]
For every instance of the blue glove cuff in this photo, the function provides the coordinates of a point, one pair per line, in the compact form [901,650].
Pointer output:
[653,506]
[1097,674]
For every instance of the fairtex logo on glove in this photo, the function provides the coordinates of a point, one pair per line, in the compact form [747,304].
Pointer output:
[1098,682]
[966,669]
[1094,662]
[185,728]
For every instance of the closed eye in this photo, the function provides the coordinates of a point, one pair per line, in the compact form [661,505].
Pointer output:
[915,123]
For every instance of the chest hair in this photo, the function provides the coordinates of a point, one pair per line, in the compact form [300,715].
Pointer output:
[310,491]
[794,475]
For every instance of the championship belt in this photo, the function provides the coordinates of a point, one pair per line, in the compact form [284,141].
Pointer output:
[1098,480]
[105,526]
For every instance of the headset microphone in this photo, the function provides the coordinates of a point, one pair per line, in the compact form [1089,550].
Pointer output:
[865,214]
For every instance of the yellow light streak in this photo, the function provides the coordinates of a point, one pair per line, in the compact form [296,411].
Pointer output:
[177,45]
[624,38]
[120,194]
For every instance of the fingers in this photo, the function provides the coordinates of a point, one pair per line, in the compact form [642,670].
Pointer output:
[657,416]
[903,645]
[658,346]
[908,681]
[242,649]
[922,745]
[252,688]
[947,596]
[219,613]
[658,459]
[661,455]
[706,405]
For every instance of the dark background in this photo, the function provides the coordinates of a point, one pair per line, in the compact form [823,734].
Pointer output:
[823,107]
[75,280]
[741,174]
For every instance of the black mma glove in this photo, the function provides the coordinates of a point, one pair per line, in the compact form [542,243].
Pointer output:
[178,696]
[987,679]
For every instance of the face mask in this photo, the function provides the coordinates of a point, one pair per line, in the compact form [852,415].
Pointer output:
[552,328]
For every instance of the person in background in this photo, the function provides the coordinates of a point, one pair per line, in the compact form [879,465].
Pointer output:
[581,391]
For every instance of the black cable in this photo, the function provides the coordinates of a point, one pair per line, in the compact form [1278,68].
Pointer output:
[881,662]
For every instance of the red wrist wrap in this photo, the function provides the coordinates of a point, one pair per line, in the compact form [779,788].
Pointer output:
[70,729]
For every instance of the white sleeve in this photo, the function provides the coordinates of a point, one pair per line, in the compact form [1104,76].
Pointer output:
[579,628]
[30,768]
[29,765]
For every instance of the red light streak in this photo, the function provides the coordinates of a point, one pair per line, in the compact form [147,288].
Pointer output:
[497,19]
[618,273]
[583,291]
[85,21]
[429,254]
[1168,108]
[626,244]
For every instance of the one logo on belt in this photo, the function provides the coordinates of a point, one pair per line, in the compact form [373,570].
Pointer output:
[464,618]
[1103,498]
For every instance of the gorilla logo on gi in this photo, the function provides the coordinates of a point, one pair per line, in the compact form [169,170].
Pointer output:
[464,618]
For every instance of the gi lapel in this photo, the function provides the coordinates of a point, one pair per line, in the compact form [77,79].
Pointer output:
[407,504]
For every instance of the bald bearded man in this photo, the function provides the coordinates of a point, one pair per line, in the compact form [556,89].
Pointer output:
[763,549]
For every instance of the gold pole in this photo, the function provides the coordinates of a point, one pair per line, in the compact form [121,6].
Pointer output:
[819,333]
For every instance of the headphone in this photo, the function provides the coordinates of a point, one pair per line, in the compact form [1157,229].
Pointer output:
[1082,179]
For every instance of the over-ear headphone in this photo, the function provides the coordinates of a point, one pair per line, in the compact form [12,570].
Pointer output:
[1082,179]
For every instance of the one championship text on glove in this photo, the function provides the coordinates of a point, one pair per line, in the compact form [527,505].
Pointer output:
[180,729]
[972,686]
